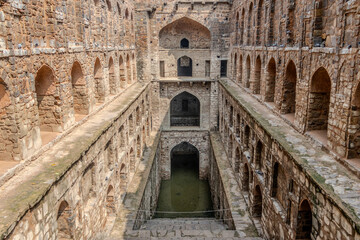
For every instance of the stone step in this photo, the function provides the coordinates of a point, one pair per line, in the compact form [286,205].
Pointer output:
[183,224]
[186,234]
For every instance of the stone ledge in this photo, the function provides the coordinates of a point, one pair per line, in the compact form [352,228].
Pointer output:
[316,164]
[239,213]
[25,190]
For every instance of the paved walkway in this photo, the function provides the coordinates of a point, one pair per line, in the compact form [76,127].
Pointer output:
[340,184]
[27,188]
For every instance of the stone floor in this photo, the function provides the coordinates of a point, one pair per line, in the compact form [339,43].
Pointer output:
[339,182]
[184,228]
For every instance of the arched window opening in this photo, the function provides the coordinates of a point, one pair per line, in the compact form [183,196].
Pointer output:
[5,102]
[239,76]
[184,66]
[133,68]
[258,156]
[138,147]
[289,92]
[270,81]
[47,104]
[271,33]
[237,132]
[279,184]
[259,23]
[249,42]
[126,14]
[65,222]
[123,178]
[122,72]
[246,178]
[242,27]
[184,43]
[257,82]
[128,69]
[131,124]
[290,23]
[79,89]
[318,38]
[230,148]
[132,160]
[275,180]
[185,110]
[231,116]
[235,68]
[304,221]
[110,202]
[257,203]
[319,104]
[99,84]
[248,72]
[112,80]
[237,160]
[246,137]
[119,9]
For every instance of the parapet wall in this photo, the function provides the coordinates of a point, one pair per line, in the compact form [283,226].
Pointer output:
[292,188]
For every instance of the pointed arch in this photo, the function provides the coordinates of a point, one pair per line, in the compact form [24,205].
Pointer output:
[184,66]
[248,72]
[112,79]
[99,81]
[128,69]
[122,72]
[110,202]
[240,74]
[249,35]
[245,178]
[259,22]
[185,110]
[319,100]
[242,27]
[79,92]
[257,77]
[45,87]
[270,81]
[65,222]
[304,223]
[257,203]
[288,104]
[271,30]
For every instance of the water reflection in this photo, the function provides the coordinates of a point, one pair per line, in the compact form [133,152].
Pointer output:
[184,192]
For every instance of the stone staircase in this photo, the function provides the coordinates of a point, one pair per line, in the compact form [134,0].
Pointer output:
[183,228]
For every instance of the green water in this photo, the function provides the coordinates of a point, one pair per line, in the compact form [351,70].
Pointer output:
[184,192]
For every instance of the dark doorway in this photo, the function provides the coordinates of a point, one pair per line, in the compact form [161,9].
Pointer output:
[184,67]
[184,43]
[184,195]
[223,68]
[185,110]
[304,221]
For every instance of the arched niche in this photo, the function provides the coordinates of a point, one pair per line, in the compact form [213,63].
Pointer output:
[185,110]
[185,28]
[184,66]
[79,89]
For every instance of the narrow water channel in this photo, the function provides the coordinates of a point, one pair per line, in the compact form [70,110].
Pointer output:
[184,195]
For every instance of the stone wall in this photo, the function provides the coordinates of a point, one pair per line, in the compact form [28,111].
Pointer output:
[85,199]
[290,197]
[51,57]
[170,139]
[292,42]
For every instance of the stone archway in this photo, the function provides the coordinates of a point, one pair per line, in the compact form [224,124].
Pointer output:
[185,110]
[184,66]
[64,223]
[304,221]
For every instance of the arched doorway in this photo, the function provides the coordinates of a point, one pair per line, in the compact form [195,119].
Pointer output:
[270,81]
[257,203]
[185,195]
[257,81]
[79,89]
[45,87]
[185,110]
[64,222]
[112,80]
[184,43]
[184,66]
[319,104]
[289,94]
[99,84]
[304,221]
